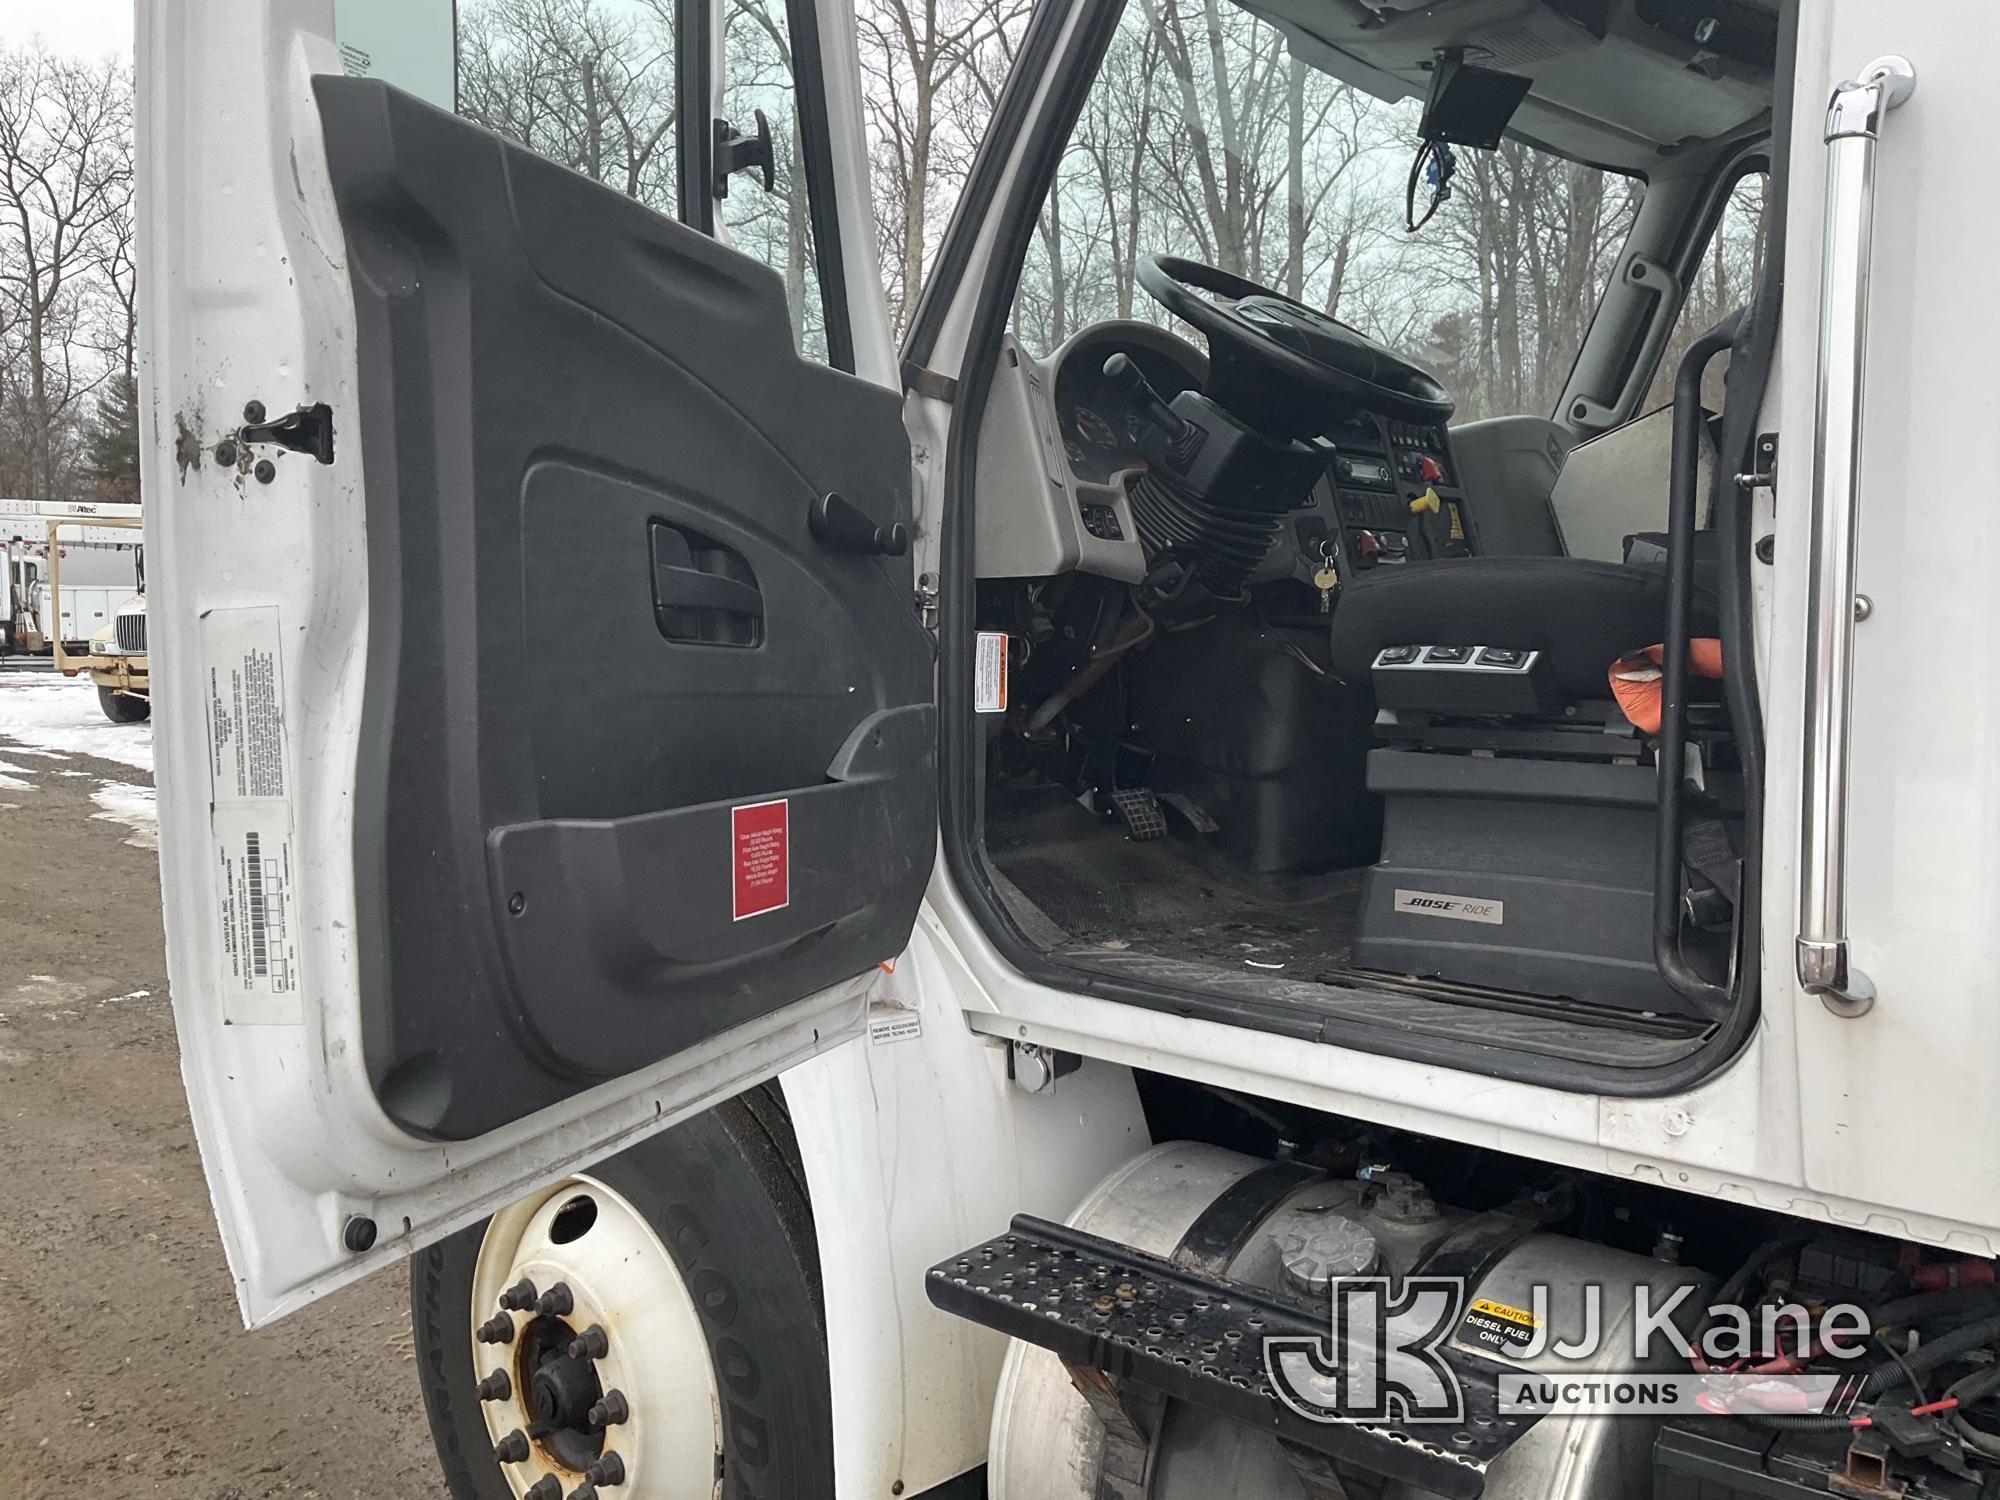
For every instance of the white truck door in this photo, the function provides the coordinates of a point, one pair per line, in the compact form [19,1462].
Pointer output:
[544,724]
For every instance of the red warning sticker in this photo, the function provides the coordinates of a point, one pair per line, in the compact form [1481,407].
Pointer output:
[761,856]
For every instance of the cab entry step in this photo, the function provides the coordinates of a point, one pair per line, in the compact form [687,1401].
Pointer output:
[1162,1329]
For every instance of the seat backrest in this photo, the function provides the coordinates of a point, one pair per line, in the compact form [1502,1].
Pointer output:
[1510,464]
[1615,485]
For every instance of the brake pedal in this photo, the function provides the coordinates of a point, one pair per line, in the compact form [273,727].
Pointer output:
[1193,811]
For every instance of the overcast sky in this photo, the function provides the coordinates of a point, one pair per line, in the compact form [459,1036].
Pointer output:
[78,28]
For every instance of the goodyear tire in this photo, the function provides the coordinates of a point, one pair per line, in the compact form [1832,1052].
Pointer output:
[697,1269]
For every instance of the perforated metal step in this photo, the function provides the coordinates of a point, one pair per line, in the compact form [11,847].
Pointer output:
[1200,1339]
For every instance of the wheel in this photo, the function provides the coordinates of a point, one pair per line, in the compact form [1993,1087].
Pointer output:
[674,1345]
[123,708]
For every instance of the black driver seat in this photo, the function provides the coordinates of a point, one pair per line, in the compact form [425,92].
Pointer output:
[1582,614]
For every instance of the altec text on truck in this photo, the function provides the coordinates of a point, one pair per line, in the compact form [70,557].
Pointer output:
[95,620]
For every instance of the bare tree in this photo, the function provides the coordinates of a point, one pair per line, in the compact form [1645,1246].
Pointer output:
[65,214]
[774,226]
[580,83]
[912,51]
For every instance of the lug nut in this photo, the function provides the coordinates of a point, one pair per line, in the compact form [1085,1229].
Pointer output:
[609,1411]
[607,1471]
[548,1487]
[556,1301]
[512,1448]
[496,1387]
[584,1491]
[496,1330]
[592,1343]
[520,1297]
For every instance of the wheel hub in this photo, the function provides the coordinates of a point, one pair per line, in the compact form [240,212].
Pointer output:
[560,1391]
[593,1370]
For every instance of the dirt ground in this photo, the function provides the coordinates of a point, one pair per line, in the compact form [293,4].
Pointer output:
[124,1370]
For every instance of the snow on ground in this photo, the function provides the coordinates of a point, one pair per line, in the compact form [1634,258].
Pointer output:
[47,719]
[122,802]
[48,711]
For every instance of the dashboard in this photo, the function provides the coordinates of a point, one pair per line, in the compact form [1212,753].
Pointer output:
[1061,441]
[1397,494]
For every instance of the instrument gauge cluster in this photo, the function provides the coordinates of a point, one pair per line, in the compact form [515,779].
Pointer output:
[1100,434]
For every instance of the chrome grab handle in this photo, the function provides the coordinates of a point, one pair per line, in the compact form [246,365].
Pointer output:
[1853,123]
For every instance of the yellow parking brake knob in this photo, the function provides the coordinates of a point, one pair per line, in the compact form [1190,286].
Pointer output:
[1427,501]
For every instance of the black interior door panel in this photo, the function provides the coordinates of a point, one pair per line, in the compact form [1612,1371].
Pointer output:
[600,628]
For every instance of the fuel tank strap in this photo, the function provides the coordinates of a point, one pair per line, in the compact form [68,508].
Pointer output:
[1221,1229]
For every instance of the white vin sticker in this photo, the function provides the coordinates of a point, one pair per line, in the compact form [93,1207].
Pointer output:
[250,818]
[1458,908]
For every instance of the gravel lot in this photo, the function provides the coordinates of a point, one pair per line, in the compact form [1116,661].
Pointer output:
[125,1371]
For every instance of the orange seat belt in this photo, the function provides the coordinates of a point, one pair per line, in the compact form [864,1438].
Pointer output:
[1638,683]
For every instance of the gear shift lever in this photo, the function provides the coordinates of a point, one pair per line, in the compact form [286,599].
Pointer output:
[1183,437]
[1132,383]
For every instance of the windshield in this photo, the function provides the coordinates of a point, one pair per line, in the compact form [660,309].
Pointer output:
[1203,137]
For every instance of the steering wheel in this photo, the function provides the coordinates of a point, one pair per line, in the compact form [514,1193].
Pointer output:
[1278,364]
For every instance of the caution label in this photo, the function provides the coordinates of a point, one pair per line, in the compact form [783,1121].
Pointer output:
[1496,1328]
[255,870]
[761,857]
[989,674]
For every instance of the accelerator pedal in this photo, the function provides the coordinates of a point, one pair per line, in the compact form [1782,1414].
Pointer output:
[1139,810]
[1133,1327]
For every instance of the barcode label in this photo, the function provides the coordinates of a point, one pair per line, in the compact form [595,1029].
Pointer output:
[256,875]
[260,925]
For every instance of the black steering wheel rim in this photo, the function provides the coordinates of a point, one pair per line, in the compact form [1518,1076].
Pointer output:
[1244,321]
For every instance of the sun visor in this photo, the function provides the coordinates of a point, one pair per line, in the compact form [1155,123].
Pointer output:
[1469,105]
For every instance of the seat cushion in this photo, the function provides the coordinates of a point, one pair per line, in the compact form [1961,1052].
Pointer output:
[1581,613]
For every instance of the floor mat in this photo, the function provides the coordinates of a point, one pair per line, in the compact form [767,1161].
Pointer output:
[1167,912]
[1166,896]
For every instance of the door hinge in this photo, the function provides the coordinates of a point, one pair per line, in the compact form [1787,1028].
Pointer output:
[307,430]
[927,600]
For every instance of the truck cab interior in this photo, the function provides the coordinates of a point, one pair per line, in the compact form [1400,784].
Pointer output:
[1376,619]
